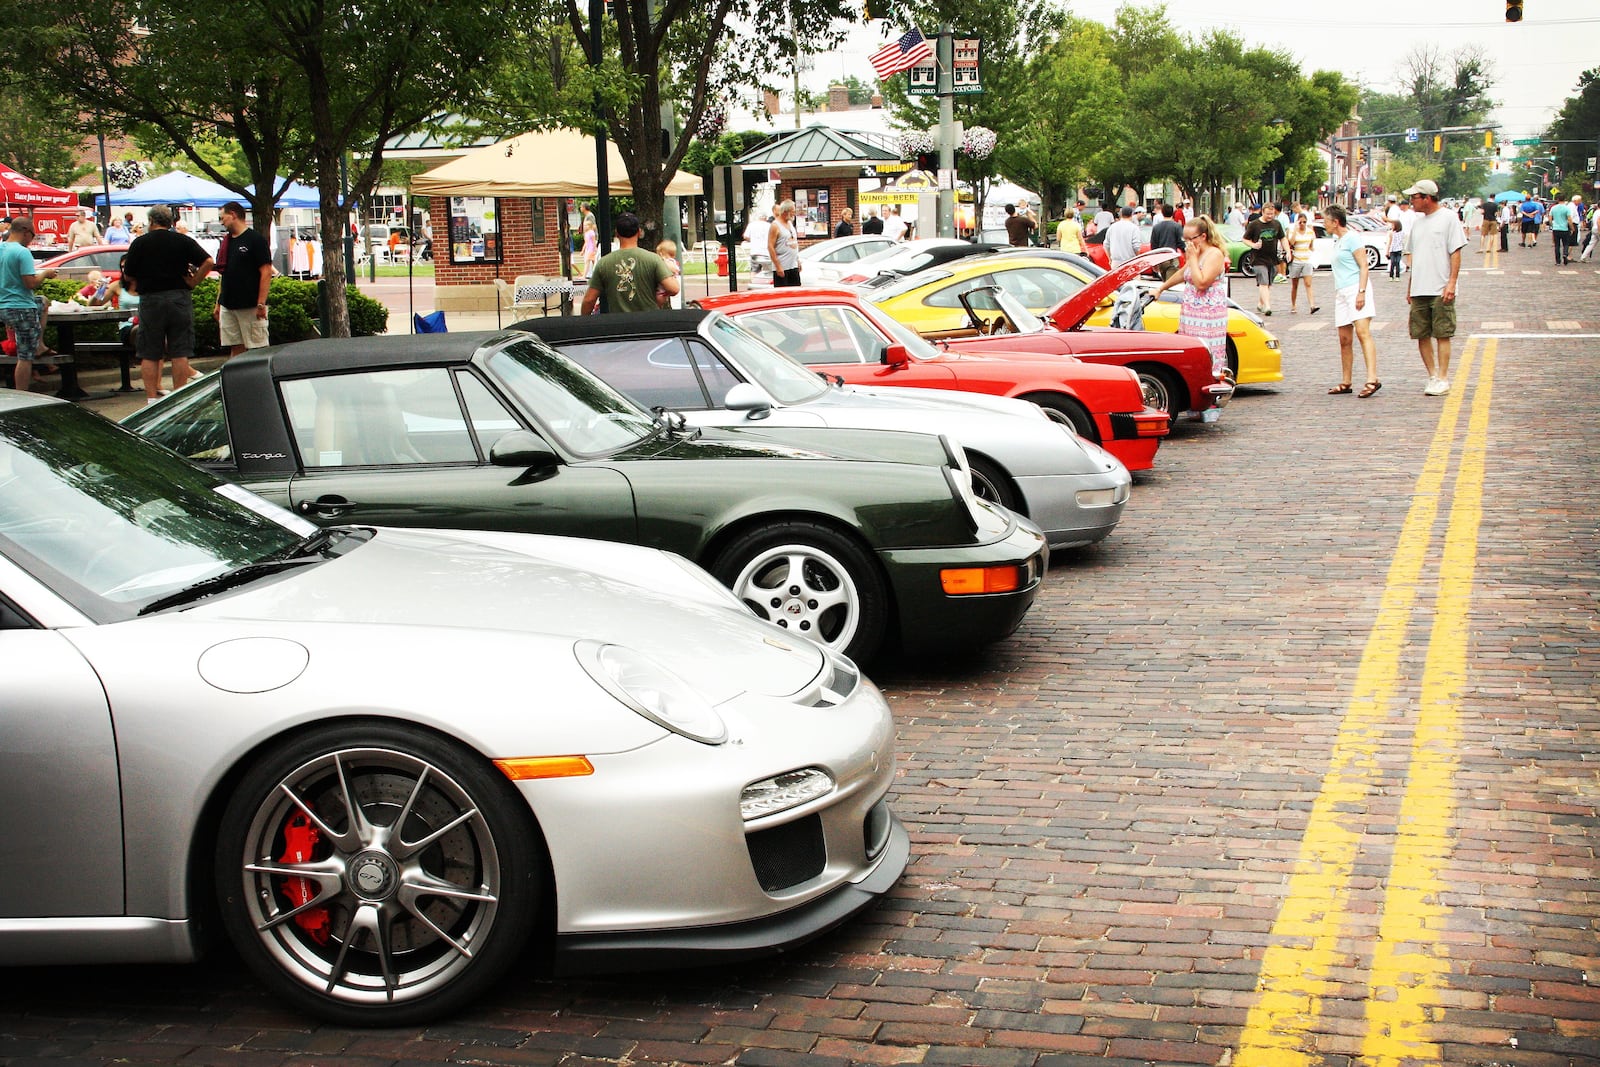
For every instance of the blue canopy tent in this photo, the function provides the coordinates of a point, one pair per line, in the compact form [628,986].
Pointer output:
[1510,194]
[298,194]
[178,187]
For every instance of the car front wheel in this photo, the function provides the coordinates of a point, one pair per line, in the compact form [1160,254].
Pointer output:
[1374,259]
[376,874]
[1068,413]
[812,580]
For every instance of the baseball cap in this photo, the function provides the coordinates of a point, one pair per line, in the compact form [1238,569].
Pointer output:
[628,225]
[1391,200]
[1426,187]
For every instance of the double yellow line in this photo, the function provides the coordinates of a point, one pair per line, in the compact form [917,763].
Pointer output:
[1304,962]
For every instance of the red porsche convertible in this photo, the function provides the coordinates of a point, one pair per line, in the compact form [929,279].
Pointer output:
[838,332]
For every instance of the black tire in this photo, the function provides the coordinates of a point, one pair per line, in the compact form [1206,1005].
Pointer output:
[1163,388]
[810,579]
[1068,412]
[1233,358]
[1247,260]
[1374,258]
[990,482]
[376,926]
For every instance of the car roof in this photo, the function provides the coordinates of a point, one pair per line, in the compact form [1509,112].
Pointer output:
[366,353]
[586,327]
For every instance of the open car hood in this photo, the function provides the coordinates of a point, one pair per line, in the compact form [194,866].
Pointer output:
[1071,312]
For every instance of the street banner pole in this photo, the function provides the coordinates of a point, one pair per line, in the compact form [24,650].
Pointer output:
[947,134]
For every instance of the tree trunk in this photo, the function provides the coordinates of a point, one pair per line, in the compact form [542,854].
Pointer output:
[333,229]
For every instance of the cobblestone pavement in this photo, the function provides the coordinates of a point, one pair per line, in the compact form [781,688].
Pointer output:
[1300,767]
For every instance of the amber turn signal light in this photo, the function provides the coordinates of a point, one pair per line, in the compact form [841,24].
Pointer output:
[964,581]
[522,770]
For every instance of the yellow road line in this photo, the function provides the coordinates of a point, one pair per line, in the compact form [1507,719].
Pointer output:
[1298,966]
[1406,968]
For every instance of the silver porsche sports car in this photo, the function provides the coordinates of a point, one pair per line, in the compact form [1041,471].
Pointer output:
[390,758]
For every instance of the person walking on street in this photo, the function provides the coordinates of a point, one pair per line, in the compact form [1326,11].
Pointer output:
[1069,233]
[783,246]
[1561,230]
[1203,313]
[1433,253]
[244,269]
[1353,305]
[1532,213]
[627,278]
[1019,228]
[1302,238]
[1263,235]
[165,265]
[19,308]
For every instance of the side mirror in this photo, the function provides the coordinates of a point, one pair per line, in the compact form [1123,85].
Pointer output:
[746,397]
[519,448]
[895,355]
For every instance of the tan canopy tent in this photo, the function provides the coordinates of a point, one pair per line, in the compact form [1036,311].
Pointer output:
[548,163]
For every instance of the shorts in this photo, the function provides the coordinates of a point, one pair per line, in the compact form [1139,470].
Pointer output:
[1490,228]
[1345,311]
[1530,227]
[166,325]
[1263,272]
[239,326]
[1432,317]
[24,322]
[1300,268]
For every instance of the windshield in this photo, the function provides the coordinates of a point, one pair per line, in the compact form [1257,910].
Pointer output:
[1022,320]
[900,333]
[580,411]
[112,522]
[785,378]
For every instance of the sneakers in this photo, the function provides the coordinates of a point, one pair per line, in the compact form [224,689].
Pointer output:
[1437,387]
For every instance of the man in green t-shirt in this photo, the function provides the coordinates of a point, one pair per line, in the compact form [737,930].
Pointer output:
[627,279]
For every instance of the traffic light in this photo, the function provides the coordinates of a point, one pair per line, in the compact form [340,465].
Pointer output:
[1463,166]
[1438,143]
[1488,138]
[1513,10]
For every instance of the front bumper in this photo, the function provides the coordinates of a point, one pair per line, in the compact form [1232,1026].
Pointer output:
[1069,507]
[932,620]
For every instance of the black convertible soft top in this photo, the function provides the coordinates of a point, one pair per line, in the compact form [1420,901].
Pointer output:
[566,328]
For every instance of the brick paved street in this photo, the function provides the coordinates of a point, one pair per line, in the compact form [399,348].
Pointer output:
[1302,766]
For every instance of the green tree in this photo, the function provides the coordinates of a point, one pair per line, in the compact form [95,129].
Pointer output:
[33,137]
[1434,90]
[1578,120]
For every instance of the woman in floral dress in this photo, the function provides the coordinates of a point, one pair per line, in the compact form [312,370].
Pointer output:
[1203,314]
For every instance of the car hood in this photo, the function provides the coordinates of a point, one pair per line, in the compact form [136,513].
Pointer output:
[1075,309]
[797,443]
[644,599]
[867,399]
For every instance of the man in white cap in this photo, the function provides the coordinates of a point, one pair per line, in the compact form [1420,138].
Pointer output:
[1433,253]
[1393,214]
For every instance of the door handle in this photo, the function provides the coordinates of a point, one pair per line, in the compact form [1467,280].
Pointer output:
[324,505]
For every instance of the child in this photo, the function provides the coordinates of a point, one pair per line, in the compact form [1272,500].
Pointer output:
[96,293]
[668,251]
[1397,244]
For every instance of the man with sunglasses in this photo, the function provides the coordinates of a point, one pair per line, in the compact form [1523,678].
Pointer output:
[1433,253]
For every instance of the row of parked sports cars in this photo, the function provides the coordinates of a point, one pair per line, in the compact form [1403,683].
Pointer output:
[407,655]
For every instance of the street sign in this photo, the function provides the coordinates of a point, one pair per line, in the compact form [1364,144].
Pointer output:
[1412,135]
[1526,140]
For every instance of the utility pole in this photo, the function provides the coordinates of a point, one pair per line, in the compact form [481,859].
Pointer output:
[947,132]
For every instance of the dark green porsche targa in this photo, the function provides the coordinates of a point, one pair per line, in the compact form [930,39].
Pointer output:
[849,537]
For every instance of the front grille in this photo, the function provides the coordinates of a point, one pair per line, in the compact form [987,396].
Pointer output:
[787,855]
[875,831]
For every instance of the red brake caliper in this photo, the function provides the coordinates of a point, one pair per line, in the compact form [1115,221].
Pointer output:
[300,840]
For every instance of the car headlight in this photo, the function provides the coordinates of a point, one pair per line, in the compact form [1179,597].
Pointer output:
[652,691]
[784,791]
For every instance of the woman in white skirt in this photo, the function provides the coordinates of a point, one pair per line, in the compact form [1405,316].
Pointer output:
[1352,303]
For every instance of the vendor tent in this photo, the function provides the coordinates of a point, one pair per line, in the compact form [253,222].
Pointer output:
[22,193]
[549,163]
[175,188]
[297,194]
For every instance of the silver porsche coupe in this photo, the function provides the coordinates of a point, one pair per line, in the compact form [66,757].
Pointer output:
[395,761]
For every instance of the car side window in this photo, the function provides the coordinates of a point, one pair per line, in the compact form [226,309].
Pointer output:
[950,295]
[651,371]
[1036,288]
[193,424]
[811,335]
[489,418]
[714,373]
[378,418]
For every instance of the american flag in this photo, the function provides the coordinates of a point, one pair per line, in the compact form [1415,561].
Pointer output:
[911,49]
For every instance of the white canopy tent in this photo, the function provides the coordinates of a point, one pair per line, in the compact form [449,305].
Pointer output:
[542,163]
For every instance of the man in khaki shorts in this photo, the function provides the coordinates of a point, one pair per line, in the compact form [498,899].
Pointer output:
[1433,252]
[244,261]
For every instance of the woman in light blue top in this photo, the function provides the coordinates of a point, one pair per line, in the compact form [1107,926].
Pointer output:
[1352,303]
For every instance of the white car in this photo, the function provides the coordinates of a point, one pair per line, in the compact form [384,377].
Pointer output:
[908,257]
[825,262]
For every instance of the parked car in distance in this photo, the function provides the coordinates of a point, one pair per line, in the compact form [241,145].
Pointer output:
[76,265]
[840,332]
[908,257]
[717,373]
[846,537]
[392,763]
[827,260]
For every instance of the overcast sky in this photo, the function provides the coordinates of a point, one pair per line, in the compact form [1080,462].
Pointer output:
[1536,62]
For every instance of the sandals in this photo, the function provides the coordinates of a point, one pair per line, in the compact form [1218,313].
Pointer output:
[1342,387]
[1368,389]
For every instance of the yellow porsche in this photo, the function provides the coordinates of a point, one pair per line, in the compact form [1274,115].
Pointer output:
[929,301]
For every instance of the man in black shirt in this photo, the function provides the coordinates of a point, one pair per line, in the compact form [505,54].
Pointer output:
[1263,235]
[1166,233]
[846,228]
[872,223]
[244,264]
[162,265]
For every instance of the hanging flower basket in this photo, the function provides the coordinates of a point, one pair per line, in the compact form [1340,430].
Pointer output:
[914,143]
[978,142]
[712,122]
[125,175]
